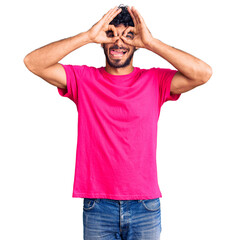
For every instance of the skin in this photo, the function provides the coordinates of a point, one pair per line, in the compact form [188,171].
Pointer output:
[98,34]
[192,72]
[44,62]
[119,65]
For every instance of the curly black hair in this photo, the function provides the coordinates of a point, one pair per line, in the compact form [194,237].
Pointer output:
[123,17]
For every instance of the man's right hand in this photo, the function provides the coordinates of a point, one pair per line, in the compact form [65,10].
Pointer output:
[97,33]
[44,61]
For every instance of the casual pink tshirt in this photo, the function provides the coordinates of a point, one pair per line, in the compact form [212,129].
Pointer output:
[117,130]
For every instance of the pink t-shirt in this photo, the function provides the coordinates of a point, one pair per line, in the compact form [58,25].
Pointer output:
[117,130]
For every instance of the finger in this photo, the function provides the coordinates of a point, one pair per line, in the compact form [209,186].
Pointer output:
[113,28]
[111,12]
[139,16]
[113,15]
[107,14]
[136,15]
[126,40]
[132,16]
[112,40]
[129,29]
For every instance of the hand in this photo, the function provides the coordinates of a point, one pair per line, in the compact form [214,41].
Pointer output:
[142,36]
[97,33]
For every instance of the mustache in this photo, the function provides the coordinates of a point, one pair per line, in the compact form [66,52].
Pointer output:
[121,48]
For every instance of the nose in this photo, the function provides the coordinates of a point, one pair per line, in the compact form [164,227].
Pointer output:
[119,42]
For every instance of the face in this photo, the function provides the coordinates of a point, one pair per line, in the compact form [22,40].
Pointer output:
[119,54]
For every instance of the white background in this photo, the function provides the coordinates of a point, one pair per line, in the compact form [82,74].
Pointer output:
[196,135]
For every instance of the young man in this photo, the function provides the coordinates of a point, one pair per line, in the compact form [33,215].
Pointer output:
[118,107]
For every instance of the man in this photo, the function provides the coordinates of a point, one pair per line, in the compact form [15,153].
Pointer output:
[118,110]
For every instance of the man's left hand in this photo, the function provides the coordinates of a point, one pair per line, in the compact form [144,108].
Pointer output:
[141,36]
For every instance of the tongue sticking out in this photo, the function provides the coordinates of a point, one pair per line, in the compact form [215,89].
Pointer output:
[114,52]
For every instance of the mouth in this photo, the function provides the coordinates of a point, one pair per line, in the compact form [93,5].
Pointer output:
[117,53]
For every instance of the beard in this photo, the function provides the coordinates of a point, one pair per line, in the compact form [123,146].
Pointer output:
[117,63]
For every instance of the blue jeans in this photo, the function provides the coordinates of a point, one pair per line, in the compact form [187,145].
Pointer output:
[108,219]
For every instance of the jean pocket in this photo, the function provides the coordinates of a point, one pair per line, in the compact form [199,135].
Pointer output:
[152,204]
[89,203]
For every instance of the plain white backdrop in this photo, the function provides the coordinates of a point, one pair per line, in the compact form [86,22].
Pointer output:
[196,134]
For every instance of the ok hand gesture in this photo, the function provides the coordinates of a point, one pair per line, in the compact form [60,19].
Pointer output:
[142,36]
[97,33]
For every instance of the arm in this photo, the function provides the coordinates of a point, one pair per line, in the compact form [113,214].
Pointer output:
[192,71]
[44,61]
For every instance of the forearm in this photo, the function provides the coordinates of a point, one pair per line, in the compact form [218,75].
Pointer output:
[52,53]
[188,65]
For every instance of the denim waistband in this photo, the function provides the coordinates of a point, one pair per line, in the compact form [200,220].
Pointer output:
[113,200]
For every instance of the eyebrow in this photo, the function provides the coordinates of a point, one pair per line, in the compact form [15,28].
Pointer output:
[130,33]
[110,31]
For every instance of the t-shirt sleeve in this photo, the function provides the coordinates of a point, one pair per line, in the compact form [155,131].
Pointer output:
[164,78]
[73,76]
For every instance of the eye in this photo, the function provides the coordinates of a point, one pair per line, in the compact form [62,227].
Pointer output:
[110,34]
[130,35]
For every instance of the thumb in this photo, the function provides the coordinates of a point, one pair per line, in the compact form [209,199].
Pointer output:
[126,40]
[112,40]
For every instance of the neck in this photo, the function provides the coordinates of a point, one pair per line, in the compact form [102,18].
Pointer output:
[119,71]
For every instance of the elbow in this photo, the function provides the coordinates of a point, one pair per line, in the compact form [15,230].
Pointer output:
[207,73]
[29,64]
[201,73]
[27,61]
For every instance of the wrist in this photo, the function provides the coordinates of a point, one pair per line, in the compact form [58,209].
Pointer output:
[151,43]
[82,38]
[87,38]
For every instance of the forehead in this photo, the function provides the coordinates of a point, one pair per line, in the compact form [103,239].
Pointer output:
[121,28]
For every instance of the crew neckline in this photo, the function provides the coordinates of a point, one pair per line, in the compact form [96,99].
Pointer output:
[121,77]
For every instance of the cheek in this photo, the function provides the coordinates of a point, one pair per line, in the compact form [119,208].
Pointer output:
[106,48]
[131,50]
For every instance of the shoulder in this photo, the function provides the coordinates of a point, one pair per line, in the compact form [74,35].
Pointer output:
[160,71]
[89,69]
[149,71]
[82,69]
